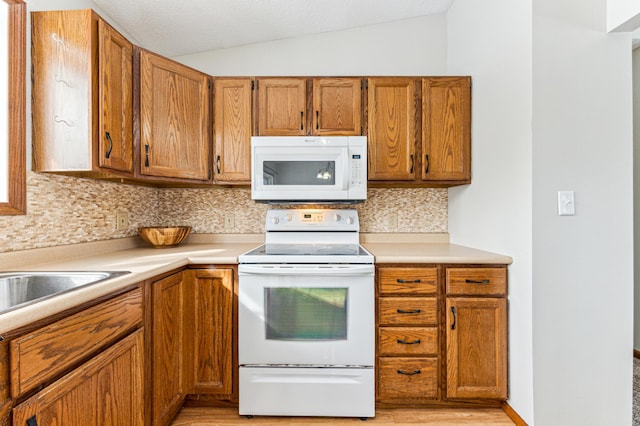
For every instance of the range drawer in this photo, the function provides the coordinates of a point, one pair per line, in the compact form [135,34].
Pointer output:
[407,311]
[408,281]
[45,353]
[476,281]
[403,341]
[407,378]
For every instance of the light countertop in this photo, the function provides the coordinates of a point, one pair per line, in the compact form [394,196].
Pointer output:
[145,263]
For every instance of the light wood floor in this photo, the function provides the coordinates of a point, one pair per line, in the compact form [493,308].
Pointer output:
[199,416]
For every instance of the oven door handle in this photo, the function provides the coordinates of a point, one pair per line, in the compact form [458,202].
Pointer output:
[306,270]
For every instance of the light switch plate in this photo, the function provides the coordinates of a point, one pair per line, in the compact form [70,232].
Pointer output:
[566,203]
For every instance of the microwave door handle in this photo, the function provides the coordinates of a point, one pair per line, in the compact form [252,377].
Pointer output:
[347,170]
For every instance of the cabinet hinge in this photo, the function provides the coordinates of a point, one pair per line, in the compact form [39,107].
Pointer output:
[366,84]
[253,84]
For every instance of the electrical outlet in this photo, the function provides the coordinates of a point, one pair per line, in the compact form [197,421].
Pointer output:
[122,221]
[392,221]
[229,220]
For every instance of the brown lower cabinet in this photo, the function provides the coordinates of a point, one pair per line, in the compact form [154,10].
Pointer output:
[135,357]
[190,345]
[81,368]
[107,390]
[441,334]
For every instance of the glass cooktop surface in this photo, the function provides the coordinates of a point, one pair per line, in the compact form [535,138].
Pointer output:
[308,250]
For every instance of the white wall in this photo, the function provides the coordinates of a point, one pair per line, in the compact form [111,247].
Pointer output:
[636,195]
[409,47]
[582,264]
[491,41]
[623,15]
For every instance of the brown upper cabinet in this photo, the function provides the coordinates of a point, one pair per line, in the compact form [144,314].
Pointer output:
[82,90]
[419,131]
[282,103]
[393,120]
[337,106]
[446,129]
[232,130]
[175,132]
[301,106]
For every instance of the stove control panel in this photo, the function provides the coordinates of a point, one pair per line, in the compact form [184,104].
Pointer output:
[312,219]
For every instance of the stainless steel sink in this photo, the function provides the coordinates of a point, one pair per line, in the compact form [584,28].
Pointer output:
[19,289]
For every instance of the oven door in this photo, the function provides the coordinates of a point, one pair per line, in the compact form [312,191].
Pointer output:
[306,315]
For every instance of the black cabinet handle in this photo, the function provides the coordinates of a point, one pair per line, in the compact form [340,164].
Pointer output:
[301,120]
[32,421]
[453,311]
[406,342]
[108,153]
[146,155]
[477,281]
[426,164]
[412,164]
[413,311]
[401,281]
[218,164]
[409,373]
[317,120]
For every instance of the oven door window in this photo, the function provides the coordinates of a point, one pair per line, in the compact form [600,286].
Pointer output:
[306,313]
[301,172]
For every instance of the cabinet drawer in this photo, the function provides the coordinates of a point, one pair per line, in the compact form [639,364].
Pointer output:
[407,341]
[45,353]
[407,311]
[407,378]
[408,281]
[476,281]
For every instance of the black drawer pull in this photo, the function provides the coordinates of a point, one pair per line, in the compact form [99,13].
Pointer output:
[108,153]
[409,373]
[468,281]
[401,281]
[405,342]
[453,311]
[413,311]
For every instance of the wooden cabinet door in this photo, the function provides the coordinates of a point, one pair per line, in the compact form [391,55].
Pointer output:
[281,106]
[107,390]
[232,130]
[61,44]
[337,106]
[174,120]
[392,119]
[82,95]
[170,351]
[115,96]
[476,343]
[213,354]
[446,129]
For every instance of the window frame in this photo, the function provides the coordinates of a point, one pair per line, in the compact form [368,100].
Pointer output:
[16,126]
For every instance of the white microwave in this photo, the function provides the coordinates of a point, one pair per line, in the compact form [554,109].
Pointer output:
[309,169]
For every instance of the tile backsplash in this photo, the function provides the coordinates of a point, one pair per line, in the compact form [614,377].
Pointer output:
[67,210]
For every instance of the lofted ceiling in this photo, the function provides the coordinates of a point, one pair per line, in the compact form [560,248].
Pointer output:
[174,28]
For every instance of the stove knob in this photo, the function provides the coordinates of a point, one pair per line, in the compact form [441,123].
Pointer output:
[289,218]
[336,217]
[275,220]
[350,220]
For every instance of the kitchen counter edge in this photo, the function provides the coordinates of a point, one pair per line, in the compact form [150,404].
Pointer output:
[145,263]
